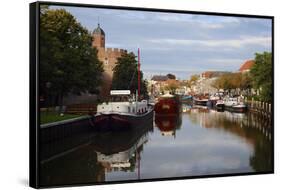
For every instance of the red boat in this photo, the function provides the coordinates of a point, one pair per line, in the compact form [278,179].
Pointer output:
[167,104]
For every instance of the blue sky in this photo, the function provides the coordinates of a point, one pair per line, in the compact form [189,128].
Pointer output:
[182,44]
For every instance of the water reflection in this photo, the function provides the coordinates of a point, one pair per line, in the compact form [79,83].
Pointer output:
[102,154]
[253,129]
[168,124]
[204,142]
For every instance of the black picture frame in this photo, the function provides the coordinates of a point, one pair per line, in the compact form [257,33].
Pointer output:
[34,109]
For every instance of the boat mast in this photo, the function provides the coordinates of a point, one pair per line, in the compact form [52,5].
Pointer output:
[139,72]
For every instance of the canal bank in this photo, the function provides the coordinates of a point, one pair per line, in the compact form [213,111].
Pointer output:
[61,129]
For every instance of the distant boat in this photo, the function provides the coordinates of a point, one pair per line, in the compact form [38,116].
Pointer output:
[220,105]
[233,104]
[213,100]
[200,100]
[186,99]
[167,105]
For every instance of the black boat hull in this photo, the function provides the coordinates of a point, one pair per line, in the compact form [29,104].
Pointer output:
[120,122]
[236,109]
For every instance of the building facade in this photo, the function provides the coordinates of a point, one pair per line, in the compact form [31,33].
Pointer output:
[108,56]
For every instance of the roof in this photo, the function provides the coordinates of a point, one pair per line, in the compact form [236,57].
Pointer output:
[208,74]
[98,30]
[247,65]
[159,78]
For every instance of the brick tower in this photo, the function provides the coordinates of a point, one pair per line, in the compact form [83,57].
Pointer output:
[108,56]
[99,38]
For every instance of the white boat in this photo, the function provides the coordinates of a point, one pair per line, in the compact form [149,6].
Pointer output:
[122,114]
[235,105]
[220,105]
[200,101]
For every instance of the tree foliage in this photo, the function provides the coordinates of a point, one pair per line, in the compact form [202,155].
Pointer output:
[194,78]
[68,63]
[262,75]
[172,86]
[233,81]
[125,75]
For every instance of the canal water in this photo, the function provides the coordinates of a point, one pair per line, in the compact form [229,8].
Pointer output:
[198,142]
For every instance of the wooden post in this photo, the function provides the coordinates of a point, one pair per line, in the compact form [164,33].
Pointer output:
[269,111]
[266,109]
[262,109]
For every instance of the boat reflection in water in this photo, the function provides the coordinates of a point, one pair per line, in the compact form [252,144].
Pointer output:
[120,159]
[105,153]
[168,124]
[168,114]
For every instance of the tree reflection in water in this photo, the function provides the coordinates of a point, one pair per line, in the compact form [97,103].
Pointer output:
[252,128]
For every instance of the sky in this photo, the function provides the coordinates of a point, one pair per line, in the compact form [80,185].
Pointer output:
[181,44]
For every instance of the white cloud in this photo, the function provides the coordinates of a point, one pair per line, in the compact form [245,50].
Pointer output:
[225,61]
[220,43]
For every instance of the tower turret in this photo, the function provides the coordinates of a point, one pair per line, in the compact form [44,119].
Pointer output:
[98,37]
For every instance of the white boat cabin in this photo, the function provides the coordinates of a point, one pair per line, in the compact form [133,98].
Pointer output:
[233,101]
[123,104]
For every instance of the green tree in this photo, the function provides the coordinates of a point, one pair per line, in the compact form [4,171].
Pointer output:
[125,75]
[194,78]
[230,81]
[172,86]
[68,63]
[261,74]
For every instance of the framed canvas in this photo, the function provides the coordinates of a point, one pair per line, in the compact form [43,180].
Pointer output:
[122,94]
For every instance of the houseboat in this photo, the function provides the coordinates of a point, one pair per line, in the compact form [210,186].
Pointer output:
[119,115]
[125,111]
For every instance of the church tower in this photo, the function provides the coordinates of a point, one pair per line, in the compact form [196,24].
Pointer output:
[99,38]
